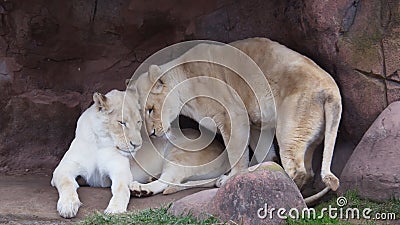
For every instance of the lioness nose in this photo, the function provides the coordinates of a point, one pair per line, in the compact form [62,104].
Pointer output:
[153,133]
[133,145]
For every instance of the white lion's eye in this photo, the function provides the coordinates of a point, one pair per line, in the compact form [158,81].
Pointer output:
[140,122]
[122,123]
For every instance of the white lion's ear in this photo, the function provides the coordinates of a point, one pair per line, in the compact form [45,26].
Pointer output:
[128,83]
[100,101]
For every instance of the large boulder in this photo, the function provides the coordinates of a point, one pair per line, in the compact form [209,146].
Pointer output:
[373,169]
[247,197]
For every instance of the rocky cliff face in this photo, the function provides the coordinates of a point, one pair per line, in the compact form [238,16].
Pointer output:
[55,54]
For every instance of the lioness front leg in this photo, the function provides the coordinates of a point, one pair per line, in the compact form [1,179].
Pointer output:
[236,141]
[120,179]
[64,180]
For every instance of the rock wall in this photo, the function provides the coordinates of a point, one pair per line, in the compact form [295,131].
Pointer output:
[55,54]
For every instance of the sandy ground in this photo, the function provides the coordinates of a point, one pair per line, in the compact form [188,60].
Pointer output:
[30,199]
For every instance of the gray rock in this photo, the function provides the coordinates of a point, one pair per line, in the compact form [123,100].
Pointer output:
[373,168]
[245,197]
[195,204]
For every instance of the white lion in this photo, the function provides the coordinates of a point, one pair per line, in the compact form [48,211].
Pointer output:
[107,135]
[307,99]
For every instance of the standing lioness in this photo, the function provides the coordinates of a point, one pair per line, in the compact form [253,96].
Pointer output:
[307,99]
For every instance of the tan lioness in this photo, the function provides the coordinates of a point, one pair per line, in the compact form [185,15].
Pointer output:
[307,99]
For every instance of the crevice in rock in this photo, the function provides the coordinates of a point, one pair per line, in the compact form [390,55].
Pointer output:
[349,17]
[94,11]
[370,74]
[395,77]
[382,49]
[63,60]
[386,15]
[379,76]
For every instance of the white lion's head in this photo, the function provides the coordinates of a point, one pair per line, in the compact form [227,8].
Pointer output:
[119,113]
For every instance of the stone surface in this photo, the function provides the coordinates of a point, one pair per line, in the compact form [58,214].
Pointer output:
[264,186]
[30,199]
[373,168]
[242,196]
[36,126]
[96,45]
[195,204]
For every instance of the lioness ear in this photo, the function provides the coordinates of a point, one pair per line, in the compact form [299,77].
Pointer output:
[130,86]
[100,101]
[154,74]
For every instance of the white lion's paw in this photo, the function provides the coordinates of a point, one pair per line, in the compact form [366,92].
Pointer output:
[138,190]
[115,209]
[68,207]
[222,180]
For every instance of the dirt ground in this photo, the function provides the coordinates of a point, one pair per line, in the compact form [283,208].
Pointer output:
[30,199]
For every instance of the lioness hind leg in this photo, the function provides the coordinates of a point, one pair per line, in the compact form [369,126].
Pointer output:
[299,127]
[236,142]
[294,164]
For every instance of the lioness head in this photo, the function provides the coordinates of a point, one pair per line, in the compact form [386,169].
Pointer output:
[119,113]
[159,105]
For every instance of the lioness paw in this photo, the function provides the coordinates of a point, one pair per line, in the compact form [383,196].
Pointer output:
[331,181]
[138,190]
[68,207]
[222,180]
[115,209]
[171,190]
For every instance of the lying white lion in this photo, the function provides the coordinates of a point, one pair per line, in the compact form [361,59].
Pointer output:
[107,135]
[307,99]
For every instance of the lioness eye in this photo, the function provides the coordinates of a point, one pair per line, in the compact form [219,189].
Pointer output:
[150,110]
[122,123]
[139,122]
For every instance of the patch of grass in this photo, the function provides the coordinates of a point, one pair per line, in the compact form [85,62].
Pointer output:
[161,216]
[147,216]
[353,201]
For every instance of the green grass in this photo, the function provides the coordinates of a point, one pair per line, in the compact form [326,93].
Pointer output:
[160,215]
[353,201]
[146,217]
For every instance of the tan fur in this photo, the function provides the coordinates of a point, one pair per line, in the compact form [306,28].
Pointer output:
[308,103]
[181,169]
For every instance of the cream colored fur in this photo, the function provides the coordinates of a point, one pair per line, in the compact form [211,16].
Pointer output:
[308,104]
[181,169]
[107,135]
